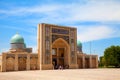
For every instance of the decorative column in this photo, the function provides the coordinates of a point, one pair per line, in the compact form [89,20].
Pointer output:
[47,45]
[4,62]
[90,61]
[83,61]
[28,62]
[72,42]
[16,62]
[96,61]
[73,48]
[44,46]
[57,55]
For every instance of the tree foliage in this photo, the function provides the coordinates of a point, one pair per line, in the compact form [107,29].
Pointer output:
[112,56]
[102,61]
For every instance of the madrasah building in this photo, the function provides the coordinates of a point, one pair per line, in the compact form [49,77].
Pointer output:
[56,46]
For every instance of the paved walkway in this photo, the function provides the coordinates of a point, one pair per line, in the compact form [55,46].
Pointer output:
[71,74]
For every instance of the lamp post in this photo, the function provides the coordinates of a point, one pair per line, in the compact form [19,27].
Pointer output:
[94,51]
[90,47]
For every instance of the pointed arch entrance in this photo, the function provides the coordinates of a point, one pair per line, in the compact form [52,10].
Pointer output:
[60,53]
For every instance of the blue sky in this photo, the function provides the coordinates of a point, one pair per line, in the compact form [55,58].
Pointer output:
[97,21]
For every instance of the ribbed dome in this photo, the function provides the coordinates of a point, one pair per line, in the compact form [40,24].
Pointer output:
[17,39]
[79,44]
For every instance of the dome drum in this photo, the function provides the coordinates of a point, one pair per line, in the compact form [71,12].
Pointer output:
[79,49]
[17,46]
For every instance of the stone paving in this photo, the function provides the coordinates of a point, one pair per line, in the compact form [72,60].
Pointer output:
[71,74]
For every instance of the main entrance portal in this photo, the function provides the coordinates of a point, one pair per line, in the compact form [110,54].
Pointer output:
[60,53]
[57,46]
[58,58]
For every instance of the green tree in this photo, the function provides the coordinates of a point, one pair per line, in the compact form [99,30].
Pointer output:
[102,61]
[112,56]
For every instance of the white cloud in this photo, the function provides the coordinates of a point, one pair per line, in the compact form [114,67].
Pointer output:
[97,12]
[34,48]
[4,50]
[19,11]
[91,11]
[20,28]
[86,34]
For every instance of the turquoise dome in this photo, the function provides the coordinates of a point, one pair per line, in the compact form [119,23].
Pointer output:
[24,45]
[79,44]
[17,39]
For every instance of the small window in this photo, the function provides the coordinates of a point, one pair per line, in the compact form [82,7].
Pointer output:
[54,51]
